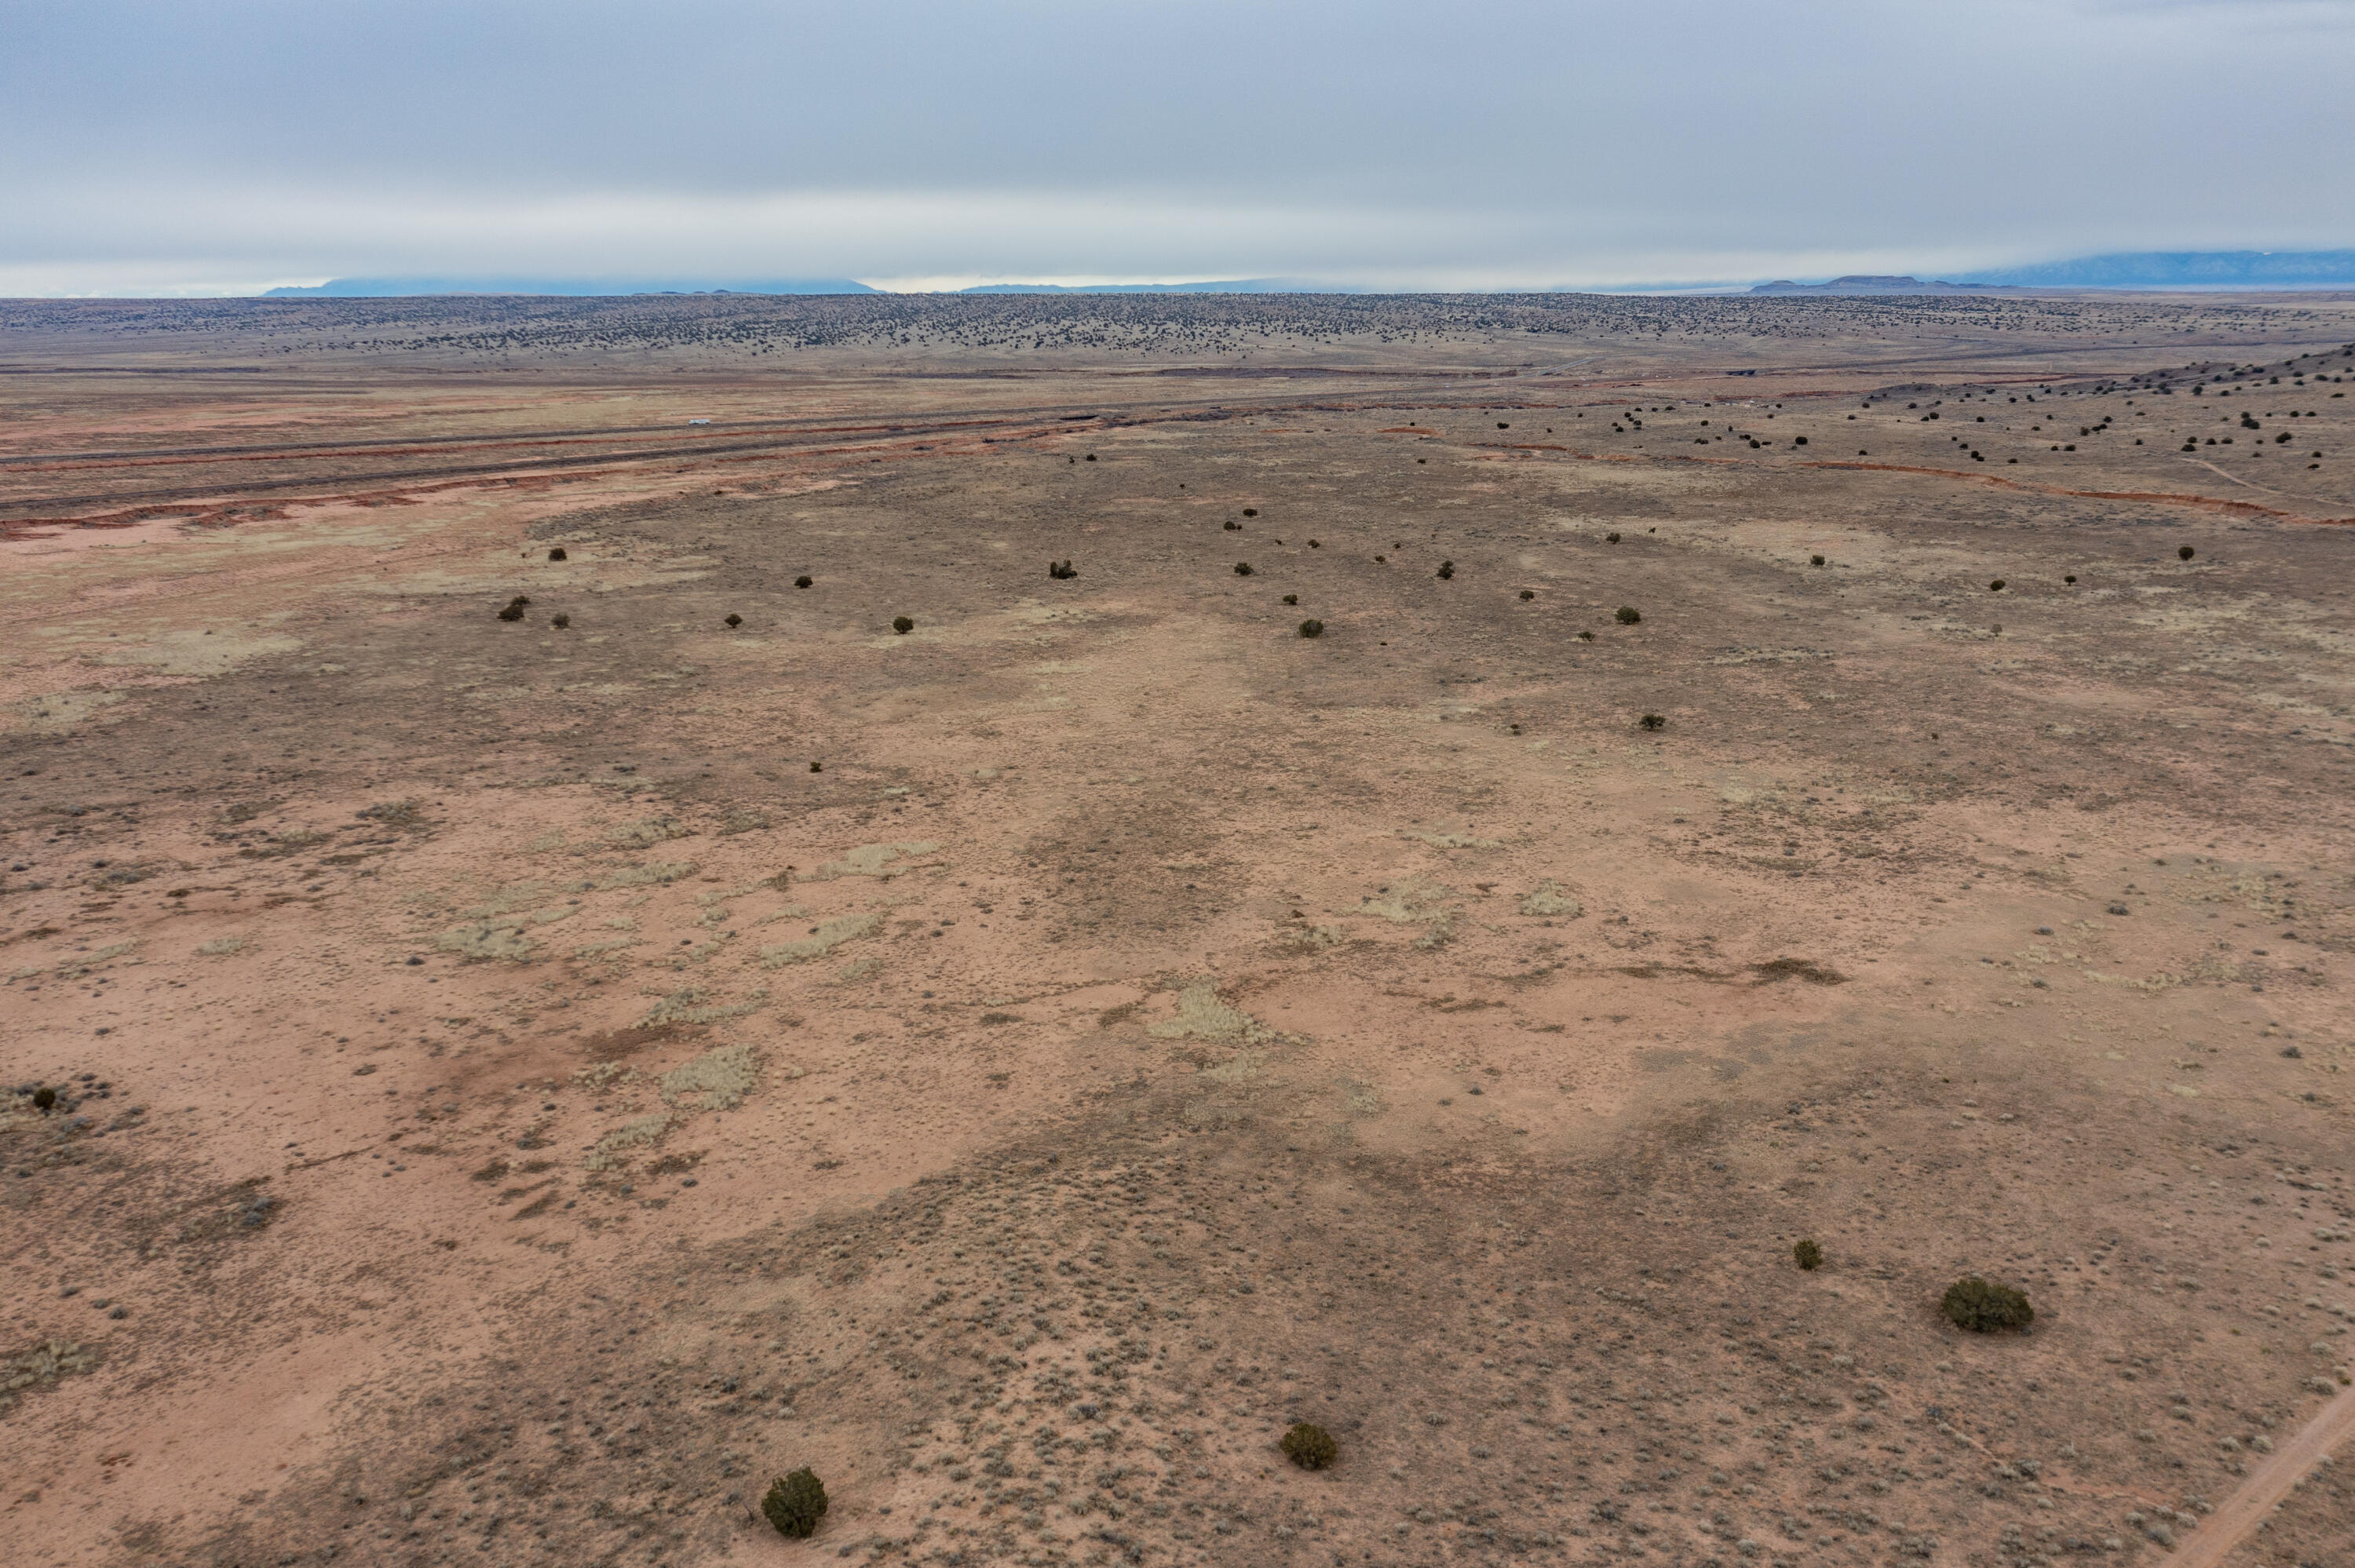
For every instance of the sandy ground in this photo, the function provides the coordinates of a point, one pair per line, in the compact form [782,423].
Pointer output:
[524,1088]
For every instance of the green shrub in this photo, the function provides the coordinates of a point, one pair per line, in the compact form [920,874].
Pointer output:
[1310,1447]
[795,1503]
[1629,615]
[902,625]
[1250,510]
[734,620]
[1610,538]
[560,621]
[1586,637]
[2185,553]
[1292,598]
[1807,1255]
[801,582]
[1815,560]
[1447,570]
[1312,628]
[557,554]
[1996,587]
[1528,593]
[1972,1303]
[1242,569]
[1652,721]
[514,611]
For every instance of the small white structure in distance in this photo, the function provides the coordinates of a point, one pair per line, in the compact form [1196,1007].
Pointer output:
[698,421]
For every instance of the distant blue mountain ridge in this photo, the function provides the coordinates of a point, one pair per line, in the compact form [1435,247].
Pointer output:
[2151,269]
[2183,270]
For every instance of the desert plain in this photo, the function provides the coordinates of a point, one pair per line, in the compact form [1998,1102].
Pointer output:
[598,926]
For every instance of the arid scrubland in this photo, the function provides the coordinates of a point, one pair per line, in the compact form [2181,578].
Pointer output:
[583,961]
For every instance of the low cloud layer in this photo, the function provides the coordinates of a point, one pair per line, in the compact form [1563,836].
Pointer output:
[193,147]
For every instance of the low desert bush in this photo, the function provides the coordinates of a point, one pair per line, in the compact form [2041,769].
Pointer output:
[1974,1304]
[1807,1255]
[1310,1447]
[795,1503]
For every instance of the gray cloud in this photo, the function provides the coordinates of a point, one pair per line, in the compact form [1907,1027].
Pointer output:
[192,144]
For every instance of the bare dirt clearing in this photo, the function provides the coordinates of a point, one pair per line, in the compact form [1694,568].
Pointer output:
[523,1086]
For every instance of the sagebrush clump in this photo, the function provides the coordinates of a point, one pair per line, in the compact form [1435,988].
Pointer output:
[1629,615]
[902,625]
[1807,1255]
[1974,1304]
[1310,1447]
[515,607]
[795,1503]
[1312,628]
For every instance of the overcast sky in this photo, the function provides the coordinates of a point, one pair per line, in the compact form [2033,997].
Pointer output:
[225,145]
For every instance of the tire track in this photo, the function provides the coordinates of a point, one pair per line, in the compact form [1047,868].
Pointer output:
[2237,1516]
